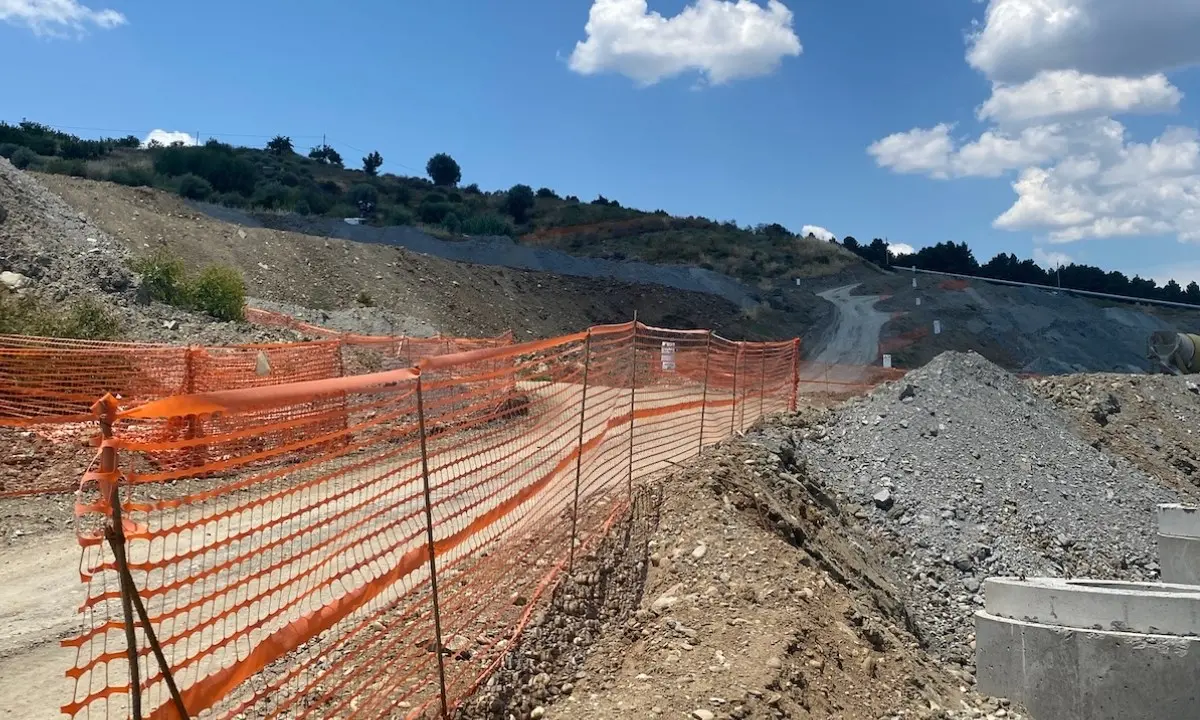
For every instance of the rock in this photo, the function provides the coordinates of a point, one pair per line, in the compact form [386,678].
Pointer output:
[700,551]
[14,281]
[774,663]
[170,324]
[883,499]
[702,714]
[537,713]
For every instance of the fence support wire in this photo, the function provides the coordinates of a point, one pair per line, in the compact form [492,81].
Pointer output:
[587,362]
[437,612]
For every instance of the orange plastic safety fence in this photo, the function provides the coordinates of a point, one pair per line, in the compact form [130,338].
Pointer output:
[304,568]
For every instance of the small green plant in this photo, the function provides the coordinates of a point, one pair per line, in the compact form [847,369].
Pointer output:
[164,278]
[219,291]
[194,187]
[84,319]
[364,298]
[398,216]
[487,224]
[87,319]
[23,158]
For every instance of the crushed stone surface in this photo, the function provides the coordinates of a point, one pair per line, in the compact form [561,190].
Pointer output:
[972,474]
[1153,421]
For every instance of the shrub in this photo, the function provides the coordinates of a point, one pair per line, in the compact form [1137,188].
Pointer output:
[233,200]
[365,196]
[23,158]
[302,207]
[7,149]
[219,291]
[487,224]
[272,196]
[519,202]
[60,166]
[443,170]
[472,189]
[290,179]
[452,222]
[401,194]
[398,216]
[164,278]
[364,298]
[342,210]
[132,176]
[87,319]
[434,212]
[194,187]
[317,201]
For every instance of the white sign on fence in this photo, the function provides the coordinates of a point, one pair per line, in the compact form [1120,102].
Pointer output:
[668,356]
[937,327]
[887,361]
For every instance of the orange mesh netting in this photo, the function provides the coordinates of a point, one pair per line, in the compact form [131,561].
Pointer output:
[367,546]
[49,385]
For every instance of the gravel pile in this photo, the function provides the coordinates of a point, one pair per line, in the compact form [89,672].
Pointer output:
[49,249]
[971,475]
[59,249]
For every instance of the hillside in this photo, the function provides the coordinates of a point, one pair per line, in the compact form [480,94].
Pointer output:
[281,178]
[417,291]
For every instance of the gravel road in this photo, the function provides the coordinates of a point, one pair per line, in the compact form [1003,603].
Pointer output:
[855,333]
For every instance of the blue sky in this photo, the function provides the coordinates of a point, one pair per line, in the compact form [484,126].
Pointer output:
[905,119]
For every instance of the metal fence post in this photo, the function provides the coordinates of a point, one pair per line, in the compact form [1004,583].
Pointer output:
[704,394]
[437,611]
[632,396]
[587,362]
[762,387]
[106,408]
[795,375]
[737,358]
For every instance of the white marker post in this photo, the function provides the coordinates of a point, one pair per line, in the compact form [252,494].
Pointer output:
[937,327]
[918,301]
[914,282]
[887,361]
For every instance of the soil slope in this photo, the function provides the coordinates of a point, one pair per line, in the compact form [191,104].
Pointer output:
[453,298]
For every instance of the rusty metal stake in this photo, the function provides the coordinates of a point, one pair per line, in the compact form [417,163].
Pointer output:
[632,409]
[587,362]
[704,394]
[437,611]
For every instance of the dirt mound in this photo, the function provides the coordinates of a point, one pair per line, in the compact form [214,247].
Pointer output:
[420,291]
[1153,421]
[757,601]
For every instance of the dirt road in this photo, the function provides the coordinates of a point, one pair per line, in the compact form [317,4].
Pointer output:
[855,334]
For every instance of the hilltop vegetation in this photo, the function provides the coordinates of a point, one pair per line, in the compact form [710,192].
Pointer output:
[958,258]
[279,177]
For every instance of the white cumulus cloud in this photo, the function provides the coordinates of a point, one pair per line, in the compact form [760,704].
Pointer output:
[1058,94]
[901,248]
[818,232]
[724,40]
[1020,38]
[168,137]
[1060,70]
[1050,259]
[53,17]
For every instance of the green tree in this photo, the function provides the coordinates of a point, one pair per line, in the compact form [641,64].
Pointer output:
[519,202]
[281,145]
[546,193]
[372,162]
[443,170]
[1193,293]
[326,155]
